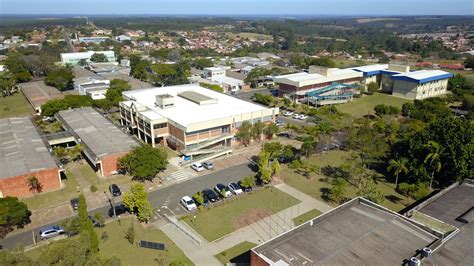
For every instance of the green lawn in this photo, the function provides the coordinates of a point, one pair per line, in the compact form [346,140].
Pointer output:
[315,185]
[14,106]
[303,218]
[228,254]
[49,199]
[102,184]
[365,105]
[236,213]
[118,246]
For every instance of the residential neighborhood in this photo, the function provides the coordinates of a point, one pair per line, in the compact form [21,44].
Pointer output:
[236,133]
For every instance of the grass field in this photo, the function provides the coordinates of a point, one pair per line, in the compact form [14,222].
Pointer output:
[233,214]
[228,254]
[365,105]
[117,245]
[42,200]
[303,218]
[14,106]
[102,184]
[316,185]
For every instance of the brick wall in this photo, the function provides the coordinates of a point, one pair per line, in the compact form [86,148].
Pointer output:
[255,260]
[17,186]
[176,132]
[109,163]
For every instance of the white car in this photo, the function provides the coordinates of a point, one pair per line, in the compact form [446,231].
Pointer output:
[223,190]
[50,232]
[188,203]
[302,117]
[197,167]
[296,116]
[235,188]
[288,113]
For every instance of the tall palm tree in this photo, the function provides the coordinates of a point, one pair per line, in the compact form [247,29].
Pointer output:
[34,184]
[398,166]
[308,146]
[324,129]
[433,158]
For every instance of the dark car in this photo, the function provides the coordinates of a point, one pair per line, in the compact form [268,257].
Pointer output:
[115,190]
[75,203]
[244,188]
[210,195]
[96,223]
[119,210]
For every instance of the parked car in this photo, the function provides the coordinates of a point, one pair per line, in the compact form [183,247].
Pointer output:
[188,203]
[244,188]
[278,123]
[208,165]
[96,223]
[296,116]
[223,190]
[205,201]
[75,203]
[210,195]
[302,117]
[115,190]
[235,188]
[288,113]
[197,167]
[50,232]
[119,210]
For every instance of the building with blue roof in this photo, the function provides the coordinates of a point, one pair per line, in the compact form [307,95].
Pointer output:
[419,85]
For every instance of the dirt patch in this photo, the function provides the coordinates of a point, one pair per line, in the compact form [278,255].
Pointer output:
[250,217]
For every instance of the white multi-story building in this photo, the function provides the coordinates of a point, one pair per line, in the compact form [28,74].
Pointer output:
[212,72]
[74,58]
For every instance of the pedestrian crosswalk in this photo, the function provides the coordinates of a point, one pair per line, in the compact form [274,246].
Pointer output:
[180,175]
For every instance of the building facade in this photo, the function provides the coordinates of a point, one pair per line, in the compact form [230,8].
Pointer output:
[189,118]
[74,58]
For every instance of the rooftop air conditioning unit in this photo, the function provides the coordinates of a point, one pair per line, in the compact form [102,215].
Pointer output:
[426,252]
[414,262]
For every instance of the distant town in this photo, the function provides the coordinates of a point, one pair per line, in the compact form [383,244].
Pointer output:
[236,141]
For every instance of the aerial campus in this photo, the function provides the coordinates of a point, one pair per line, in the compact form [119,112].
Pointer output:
[198,136]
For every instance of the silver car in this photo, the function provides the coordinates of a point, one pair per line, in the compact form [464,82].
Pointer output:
[50,232]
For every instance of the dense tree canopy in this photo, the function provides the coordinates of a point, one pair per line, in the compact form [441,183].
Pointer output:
[61,78]
[70,101]
[98,58]
[13,213]
[144,162]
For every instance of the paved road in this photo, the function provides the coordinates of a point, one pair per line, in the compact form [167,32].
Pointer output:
[246,96]
[168,196]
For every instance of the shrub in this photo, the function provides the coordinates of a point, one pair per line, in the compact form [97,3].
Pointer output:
[93,188]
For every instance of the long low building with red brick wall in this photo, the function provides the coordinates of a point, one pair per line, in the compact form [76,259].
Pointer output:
[23,154]
[104,143]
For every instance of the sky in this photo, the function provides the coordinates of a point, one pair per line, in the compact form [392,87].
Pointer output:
[240,7]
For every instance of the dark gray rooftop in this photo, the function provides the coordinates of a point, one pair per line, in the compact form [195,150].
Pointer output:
[356,233]
[97,133]
[454,203]
[451,204]
[22,150]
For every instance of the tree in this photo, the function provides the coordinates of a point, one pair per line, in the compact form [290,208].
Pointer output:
[257,130]
[61,153]
[15,257]
[370,191]
[267,168]
[324,129]
[136,199]
[248,182]
[83,62]
[76,151]
[99,58]
[244,135]
[13,213]
[50,108]
[271,130]
[71,226]
[469,62]
[61,78]
[273,148]
[265,99]
[34,184]
[114,93]
[372,88]
[144,162]
[199,198]
[85,224]
[338,190]
[202,63]
[433,158]
[6,84]
[397,167]
[309,146]
[130,234]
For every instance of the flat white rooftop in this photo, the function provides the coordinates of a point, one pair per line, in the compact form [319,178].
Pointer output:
[186,112]
[304,79]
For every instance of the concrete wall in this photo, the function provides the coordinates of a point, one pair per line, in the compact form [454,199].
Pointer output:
[17,186]
[412,90]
